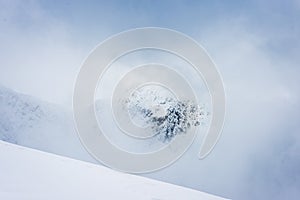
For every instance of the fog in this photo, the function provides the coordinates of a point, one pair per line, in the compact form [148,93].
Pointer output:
[255,46]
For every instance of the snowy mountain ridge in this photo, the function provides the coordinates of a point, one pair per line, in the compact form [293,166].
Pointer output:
[30,122]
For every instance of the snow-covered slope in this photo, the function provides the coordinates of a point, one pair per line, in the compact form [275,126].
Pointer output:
[30,174]
[30,122]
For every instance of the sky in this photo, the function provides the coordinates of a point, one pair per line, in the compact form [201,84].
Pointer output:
[255,45]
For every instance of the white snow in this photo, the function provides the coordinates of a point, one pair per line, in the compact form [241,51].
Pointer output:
[31,174]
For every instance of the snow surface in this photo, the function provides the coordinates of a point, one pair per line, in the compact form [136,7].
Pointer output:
[31,174]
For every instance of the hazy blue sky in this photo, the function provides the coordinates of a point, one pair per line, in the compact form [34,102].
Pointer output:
[255,45]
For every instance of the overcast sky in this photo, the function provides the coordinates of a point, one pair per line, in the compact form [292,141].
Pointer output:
[255,45]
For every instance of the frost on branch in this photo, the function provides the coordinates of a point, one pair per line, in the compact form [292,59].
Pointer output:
[166,116]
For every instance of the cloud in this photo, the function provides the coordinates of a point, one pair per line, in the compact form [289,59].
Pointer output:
[38,55]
